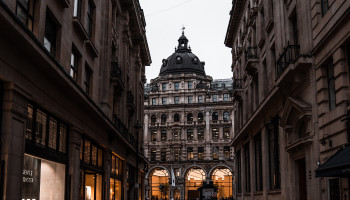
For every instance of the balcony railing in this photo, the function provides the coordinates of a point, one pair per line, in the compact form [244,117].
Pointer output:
[251,52]
[288,56]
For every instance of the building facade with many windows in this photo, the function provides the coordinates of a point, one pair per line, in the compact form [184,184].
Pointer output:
[290,63]
[72,77]
[187,129]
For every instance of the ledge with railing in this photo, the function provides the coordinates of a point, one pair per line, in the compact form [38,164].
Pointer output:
[288,56]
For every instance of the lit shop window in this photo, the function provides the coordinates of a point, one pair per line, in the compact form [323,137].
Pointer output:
[116,178]
[42,179]
[91,163]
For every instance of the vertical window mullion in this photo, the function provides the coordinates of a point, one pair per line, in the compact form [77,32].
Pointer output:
[34,123]
[58,136]
[47,126]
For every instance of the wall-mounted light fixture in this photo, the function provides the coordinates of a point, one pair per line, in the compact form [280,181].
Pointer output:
[324,142]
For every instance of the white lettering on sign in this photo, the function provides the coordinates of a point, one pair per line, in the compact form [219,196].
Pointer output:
[27,172]
[28,180]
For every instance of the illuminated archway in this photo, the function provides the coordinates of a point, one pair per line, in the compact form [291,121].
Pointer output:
[222,179]
[159,184]
[194,178]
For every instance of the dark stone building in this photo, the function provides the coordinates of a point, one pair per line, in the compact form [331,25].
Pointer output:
[71,99]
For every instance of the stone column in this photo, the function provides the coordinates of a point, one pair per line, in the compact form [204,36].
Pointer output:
[146,138]
[207,123]
[74,161]
[107,166]
[15,108]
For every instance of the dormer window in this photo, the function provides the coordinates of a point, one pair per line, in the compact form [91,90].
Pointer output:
[178,59]
[164,62]
[195,60]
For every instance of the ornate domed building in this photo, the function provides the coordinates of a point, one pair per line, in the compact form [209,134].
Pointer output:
[188,127]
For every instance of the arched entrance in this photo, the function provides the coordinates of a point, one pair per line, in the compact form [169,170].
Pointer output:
[194,178]
[159,184]
[222,179]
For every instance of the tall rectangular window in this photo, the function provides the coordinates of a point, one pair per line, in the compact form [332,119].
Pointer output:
[154,101]
[247,167]
[89,21]
[163,154]
[176,99]
[189,84]
[215,153]
[226,132]
[200,133]
[294,21]
[227,152]
[215,132]
[87,80]
[226,97]
[189,153]
[331,85]
[177,154]
[273,152]
[153,154]
[153,135]
[324,7]
[258,163]
[50,34]
[215,97]
[77,9]
[163,136]
[200,99]
[177,86]
[334,189]
[200,153]
[163,86]
[25,12]
[239,172]
[163,100]
[189,134]
[189,99]
[74,58]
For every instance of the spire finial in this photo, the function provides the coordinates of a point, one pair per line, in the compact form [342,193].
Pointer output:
[183,29]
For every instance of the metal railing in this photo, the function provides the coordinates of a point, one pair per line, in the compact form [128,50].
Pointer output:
[251,52]
[288,56]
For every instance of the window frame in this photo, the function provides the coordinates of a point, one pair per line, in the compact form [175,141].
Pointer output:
[87,79]
[50,33]
[189,134]
[74,65]
[29,12]
[90,18]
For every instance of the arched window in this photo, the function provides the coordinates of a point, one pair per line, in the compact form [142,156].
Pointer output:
[163,119]
[189,117]
[200,117]
[176,118]
[226,116]
[215,116]
[153,120]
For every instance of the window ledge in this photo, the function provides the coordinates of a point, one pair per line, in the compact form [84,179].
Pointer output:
[91,47]
[79,26]
[277,191]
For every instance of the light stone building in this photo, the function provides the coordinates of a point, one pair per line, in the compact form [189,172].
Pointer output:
[290,63]
[187,129]
[71,99]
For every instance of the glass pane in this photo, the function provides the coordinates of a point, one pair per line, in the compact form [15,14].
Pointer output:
[98,187]
[24,3]
[29,123]
[52,133]
[63,138]
[40,132]
[87,151]
[81,149]
[111,189]
[90,186]
[94,155]
[22,15]
[113,165]
[100,158]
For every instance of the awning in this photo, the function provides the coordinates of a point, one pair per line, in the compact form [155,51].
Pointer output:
[337,165]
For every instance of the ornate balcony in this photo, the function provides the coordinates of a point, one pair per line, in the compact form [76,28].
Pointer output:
[116,74]
[251,61]
[237,88]
[288,56]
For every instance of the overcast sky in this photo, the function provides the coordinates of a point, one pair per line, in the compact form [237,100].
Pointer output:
[205,23]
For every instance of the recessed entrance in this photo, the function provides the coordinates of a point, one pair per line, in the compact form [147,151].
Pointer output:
[222,179]
[159,183]
[194,179]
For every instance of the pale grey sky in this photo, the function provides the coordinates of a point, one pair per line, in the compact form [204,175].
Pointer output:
[205,23]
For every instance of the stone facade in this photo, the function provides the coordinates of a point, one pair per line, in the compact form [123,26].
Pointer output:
[71,98]
[187,121]
[290,63]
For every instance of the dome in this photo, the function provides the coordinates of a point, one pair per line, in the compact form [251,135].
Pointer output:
[182,60]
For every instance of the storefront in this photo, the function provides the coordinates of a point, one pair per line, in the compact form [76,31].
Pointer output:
[91,170]
[45,158]
[116,180]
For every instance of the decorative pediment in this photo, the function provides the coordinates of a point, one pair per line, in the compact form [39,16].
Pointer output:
[294,110]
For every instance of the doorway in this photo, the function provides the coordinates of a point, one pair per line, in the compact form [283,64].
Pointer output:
[302,179]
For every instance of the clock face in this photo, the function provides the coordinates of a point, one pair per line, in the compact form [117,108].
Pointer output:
[178,58]
[195,59]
